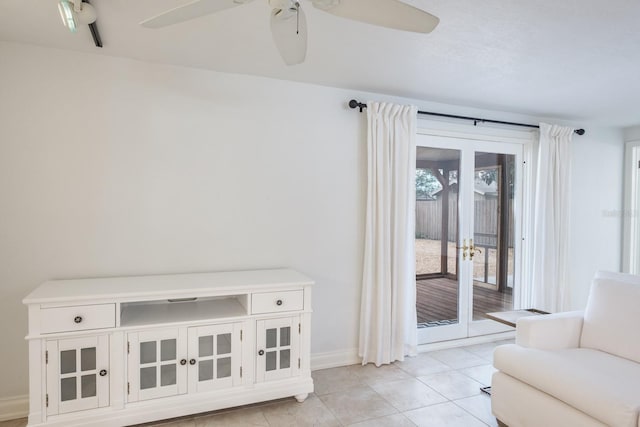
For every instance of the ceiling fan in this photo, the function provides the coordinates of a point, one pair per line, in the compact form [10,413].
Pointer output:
[289,25]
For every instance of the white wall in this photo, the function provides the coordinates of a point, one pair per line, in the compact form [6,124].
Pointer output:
[116,167]
[597,193]
[632,133]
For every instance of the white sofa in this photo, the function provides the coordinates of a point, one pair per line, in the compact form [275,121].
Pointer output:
[575,368]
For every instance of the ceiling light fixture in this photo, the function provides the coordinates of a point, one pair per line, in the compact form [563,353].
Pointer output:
[76,12]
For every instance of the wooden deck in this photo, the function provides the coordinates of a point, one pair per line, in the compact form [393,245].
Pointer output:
[437,299]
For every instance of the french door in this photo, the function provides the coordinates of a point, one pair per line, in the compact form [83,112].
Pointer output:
[468,234]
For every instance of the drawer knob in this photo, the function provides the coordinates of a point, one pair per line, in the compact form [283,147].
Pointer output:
[279,302]
[183,362]
[261,353]
[77,319]
[192,362]
[103,372]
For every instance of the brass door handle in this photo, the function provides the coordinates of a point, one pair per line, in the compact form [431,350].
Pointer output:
[473,249]
[464,248]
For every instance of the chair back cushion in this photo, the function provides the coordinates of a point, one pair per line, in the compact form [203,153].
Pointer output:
[612,316]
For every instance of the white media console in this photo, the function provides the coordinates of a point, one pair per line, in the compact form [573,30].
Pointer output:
[127,350]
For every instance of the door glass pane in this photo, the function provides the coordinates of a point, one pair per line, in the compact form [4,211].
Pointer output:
[148,352]
[224,343]
[224,367]
[88,384]
[493,257]
[272,338]
[88,359]
[285,336]
[205,346]
[68,389]
[205,370]
[67,361]
[168,374]
[147,377]
[436,236]
[285,356]
[168,350]
[270,361]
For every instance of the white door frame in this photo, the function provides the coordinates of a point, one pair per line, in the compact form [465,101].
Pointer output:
[631,214]
[460,137]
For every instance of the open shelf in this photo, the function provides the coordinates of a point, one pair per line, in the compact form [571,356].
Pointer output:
[168,311]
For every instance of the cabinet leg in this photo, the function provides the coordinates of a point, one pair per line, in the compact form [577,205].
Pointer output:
[301,397]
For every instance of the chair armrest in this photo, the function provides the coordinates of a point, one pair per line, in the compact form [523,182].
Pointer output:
[550,332]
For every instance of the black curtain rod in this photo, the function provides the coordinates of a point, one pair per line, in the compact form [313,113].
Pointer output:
[355,104]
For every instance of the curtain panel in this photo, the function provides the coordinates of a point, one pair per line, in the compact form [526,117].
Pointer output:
[388,324]
[550,260]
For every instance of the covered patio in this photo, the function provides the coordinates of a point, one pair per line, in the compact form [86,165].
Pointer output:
[437,230]
[437,300]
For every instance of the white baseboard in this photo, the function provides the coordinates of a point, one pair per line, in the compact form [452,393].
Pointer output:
[334,359]
[14,407]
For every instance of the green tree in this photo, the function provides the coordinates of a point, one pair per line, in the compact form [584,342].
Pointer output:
[491,175]
[426,184]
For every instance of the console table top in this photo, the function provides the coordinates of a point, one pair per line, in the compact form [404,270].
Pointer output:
[167,285]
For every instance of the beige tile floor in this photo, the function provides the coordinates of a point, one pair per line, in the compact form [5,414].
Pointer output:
[439,388]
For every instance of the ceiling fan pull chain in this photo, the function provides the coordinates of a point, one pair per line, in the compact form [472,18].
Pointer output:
[297,18]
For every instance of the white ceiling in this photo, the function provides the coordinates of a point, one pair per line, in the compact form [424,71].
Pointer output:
[568,59]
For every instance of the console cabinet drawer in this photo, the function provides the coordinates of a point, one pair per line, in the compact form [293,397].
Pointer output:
[275,302]
[77,318]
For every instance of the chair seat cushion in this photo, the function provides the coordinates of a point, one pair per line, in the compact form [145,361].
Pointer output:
[602,385]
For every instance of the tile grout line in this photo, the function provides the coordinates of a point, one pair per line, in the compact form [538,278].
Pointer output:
[454,402]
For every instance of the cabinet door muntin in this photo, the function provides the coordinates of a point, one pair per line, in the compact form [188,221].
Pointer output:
[278,348]
[156,363]
[77,374]
[215,356]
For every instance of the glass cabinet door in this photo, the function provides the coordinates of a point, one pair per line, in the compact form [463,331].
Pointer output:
[77,374]
[157,365]
[277,348]
[214,357]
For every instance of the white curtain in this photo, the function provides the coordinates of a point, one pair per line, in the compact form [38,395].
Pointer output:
[550,260]
[388,325]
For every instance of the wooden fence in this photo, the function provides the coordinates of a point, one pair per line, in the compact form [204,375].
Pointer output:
[429,220]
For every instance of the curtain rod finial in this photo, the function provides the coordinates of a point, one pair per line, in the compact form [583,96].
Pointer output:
[579,131]
[355,104]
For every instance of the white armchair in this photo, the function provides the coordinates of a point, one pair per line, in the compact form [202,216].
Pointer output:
[575,368]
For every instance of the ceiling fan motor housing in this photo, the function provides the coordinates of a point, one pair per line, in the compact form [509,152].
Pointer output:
[325,4]
[284,4]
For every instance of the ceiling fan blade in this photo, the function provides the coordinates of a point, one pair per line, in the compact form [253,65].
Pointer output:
[385,13]
[189,11]
[289,31]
